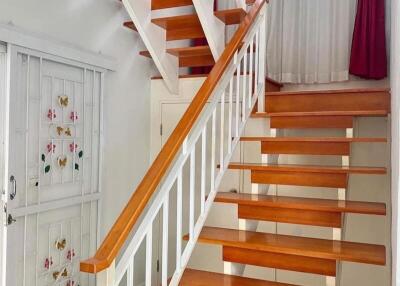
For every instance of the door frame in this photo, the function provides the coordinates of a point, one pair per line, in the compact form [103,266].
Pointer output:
[3,153]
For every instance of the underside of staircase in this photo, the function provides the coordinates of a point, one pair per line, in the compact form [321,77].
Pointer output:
[285,110]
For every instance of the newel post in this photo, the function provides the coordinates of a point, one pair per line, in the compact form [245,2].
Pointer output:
[107,276]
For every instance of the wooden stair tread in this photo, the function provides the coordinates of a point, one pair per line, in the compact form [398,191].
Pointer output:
[190,56]
[229,17]
[184,51]
[163,4]
[314,139]
[302,203]
[293,245]
[332,91]
[193,277]
[322,113]
[130,25]
[307,168]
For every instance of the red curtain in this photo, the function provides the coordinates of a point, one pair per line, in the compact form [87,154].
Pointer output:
[368,52]
[202,42]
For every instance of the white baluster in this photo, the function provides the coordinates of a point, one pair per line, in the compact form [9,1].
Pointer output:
[244,86]
[222,133]
[130,272]
[237,98]
[250,101]
[179,221]
[203,168]
[230,116]
[256,61]
[262,65]
[164,277]
[149,255]
[191,191]
[213,150]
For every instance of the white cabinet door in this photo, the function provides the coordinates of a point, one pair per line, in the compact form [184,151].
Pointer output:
[53,170]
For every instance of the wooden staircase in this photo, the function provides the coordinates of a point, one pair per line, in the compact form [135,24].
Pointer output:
[283,110]
[300,110]
[188,27]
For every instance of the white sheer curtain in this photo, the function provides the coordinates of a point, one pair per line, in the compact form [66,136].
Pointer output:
[309,41]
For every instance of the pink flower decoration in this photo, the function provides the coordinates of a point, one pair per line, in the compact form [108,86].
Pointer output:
[73,116]
[48,262]
[70,254]
[51,114]
[73,147]
[51,148]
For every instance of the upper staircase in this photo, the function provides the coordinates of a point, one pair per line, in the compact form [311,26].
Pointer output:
[169,208]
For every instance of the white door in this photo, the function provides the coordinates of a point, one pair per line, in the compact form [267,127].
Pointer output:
[52,179]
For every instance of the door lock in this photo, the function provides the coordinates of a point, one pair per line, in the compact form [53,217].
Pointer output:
[13,182]
[10,220]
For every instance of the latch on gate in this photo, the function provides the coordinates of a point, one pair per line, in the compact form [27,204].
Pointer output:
[10,219]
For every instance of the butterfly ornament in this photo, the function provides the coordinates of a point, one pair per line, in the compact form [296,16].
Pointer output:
[63,101]
[62,161]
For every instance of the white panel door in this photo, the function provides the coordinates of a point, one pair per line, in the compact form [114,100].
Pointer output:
[53,171]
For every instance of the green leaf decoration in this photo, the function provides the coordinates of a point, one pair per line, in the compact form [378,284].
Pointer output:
[80,154]
[47,169]
[43,157]
[77,167]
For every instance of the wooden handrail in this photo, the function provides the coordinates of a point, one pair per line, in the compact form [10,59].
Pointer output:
[118,234]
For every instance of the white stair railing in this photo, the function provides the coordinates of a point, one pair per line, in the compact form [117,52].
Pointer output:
[240,76]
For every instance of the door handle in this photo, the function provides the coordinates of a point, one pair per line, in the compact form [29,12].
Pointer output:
[13,182]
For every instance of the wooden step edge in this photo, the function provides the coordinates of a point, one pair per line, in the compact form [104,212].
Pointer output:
[204,75]
[377,113]
[314,139]
[163,21]
[163,4]
[228,16]
[231,16]
[308,168]
[193,277]
[130,25]
[294,245]
[190,51]
[364,91]
[184,51]
[183,76]
[299,203]
[145,54]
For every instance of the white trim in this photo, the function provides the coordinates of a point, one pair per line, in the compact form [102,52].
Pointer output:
[48,206]
[21,37]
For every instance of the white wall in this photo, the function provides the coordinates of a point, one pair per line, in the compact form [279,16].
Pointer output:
[395,87]
[96,25]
